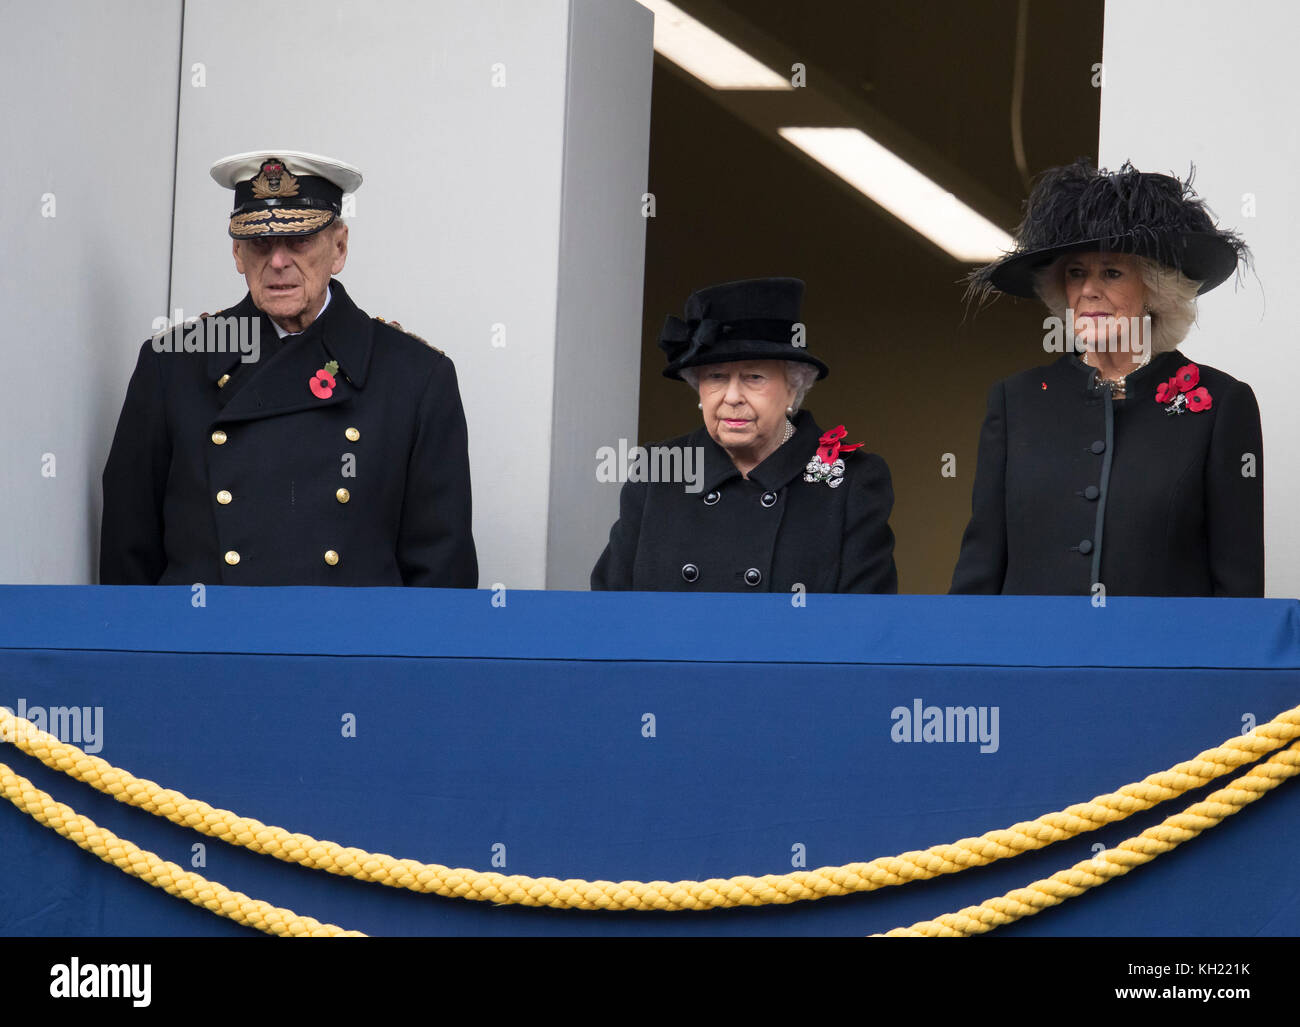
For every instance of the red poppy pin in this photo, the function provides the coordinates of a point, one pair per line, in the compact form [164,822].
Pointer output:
[1180,393]
[827,465]
[322,383]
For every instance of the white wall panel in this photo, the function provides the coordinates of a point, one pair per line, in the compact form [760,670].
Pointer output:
[1213,84]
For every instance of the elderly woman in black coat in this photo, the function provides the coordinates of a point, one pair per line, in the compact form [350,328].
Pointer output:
[1124,467]
[775,505]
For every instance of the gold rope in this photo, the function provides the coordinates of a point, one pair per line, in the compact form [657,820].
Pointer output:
[1112,863]
[150,868]
[433,878]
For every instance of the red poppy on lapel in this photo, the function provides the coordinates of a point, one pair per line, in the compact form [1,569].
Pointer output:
[1200,399]
[322,383]
[830,448]
[1187,377]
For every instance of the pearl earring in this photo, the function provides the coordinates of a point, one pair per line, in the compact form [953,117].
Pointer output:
[789,411]
[700,405]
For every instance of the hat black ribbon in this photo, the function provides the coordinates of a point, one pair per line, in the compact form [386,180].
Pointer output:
[684,341]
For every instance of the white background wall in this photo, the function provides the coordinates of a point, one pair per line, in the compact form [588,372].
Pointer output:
[97,130]
[1212,83]
[468,195]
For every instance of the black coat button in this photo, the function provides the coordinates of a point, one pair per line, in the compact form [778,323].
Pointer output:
[712,497]
[1091,492]
[1085,547]
[769,499]
[1098,446]
[690,572]
[753,576]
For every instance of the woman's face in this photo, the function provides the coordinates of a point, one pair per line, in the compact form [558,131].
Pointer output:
[744,404]
[1105,291]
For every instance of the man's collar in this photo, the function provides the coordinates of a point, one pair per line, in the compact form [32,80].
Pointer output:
[345,331]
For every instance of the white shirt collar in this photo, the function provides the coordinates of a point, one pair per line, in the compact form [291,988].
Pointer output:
[282,333]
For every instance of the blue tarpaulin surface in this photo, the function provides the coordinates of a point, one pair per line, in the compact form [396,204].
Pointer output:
[625,736]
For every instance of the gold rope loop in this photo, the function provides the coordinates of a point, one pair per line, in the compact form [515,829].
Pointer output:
[803,885]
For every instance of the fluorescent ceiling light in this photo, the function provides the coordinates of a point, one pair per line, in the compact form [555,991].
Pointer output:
[705,54]
[903,191]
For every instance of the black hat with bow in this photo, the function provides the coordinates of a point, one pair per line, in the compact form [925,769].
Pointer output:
[1078,207]
[756,319]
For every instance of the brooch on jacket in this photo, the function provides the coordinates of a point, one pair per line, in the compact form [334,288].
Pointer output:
[827,465]
[1180,393]
[322,383]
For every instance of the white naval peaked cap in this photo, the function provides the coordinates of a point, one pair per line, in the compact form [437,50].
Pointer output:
[244,167]
[284,193]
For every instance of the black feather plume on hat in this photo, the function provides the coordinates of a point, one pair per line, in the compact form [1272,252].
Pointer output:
[1078,207]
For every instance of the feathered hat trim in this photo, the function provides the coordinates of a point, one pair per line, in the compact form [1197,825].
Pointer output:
[1078,207]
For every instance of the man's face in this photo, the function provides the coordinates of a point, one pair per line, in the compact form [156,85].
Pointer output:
[288,277]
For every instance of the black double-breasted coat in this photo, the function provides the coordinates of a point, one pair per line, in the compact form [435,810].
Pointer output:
[770,532]
[238,473]
[1074,488]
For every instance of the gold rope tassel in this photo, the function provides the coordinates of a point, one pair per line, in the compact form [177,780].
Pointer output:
[150,868]
[1112,863]
[433,878]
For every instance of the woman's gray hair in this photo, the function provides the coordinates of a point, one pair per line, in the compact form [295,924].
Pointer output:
[798,376]
[1171,299]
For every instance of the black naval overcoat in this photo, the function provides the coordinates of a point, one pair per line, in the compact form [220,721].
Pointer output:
[233,473]
[771,532]
[1156,504]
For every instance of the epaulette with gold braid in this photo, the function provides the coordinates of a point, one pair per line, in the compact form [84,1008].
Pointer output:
[397,325]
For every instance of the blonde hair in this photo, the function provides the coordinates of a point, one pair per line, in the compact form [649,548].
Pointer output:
[1170,298]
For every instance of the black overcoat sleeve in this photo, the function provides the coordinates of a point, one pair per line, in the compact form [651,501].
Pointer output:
[435,542]
[613,571]
[982,563]
[867,557]
[1235,495]
[135,482]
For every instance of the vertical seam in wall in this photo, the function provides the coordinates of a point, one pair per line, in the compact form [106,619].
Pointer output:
[176,157]
[559,298]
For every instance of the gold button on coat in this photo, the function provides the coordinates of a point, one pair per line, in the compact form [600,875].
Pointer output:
[219,437]
[342,495]
[224,497]
[331,557]
[221,382]
[352,434]
[232,558]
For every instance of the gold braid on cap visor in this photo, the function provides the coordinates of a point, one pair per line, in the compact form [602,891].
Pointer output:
[290,221]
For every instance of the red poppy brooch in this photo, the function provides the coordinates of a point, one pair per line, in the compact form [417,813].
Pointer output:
[1180,394]
[827,465]
[322,383]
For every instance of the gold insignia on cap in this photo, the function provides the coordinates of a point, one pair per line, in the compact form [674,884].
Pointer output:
[286,221]
[274,180]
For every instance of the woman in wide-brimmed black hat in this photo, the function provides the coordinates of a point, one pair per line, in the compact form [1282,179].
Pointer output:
[1124,467]
[763,500]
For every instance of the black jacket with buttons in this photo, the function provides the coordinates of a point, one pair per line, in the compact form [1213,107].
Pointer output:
[771,532]
[252,479]
[1181,500]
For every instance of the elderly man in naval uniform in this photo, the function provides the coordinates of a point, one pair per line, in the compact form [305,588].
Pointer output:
[331,451]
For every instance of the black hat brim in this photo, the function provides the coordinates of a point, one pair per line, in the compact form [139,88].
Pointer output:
[746,349]
[1203,257]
